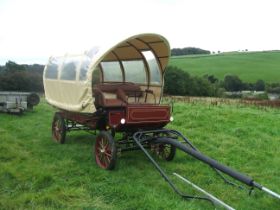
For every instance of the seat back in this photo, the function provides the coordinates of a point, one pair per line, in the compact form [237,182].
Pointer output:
[115,94]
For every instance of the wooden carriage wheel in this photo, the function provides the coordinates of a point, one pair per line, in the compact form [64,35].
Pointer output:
[165,151]
[58,128]
[105,151]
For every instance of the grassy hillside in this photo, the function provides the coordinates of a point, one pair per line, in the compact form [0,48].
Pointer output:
[37,173]
[249,66]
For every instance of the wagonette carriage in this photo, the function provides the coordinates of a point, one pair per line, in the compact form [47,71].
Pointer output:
[117,90]
[113,89]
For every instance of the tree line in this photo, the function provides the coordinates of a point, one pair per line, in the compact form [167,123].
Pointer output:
[188,51]
[16,77]
[180,82]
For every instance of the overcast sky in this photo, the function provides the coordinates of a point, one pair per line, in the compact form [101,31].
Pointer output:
[33,30]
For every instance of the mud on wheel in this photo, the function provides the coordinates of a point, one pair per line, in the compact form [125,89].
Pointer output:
[58,128]
[105,151]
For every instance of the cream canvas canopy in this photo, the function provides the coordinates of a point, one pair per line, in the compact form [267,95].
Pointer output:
[141,59]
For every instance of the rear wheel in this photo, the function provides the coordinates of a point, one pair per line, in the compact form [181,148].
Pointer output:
[105,151]
[165,151]
[58,128]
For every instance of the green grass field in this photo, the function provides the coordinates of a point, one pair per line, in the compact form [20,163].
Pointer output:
[249,66]
[37,173]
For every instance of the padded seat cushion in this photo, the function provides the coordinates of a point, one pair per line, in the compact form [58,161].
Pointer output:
[122,91]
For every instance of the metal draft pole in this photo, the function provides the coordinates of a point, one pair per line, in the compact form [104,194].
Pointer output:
[137,138]
[213,198]
[213,163]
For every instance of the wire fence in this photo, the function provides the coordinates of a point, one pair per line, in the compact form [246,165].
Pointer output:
[219,101]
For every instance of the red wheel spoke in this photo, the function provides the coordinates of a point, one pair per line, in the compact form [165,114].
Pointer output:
[104,143]
[105,152]
[102,158]
[108,159]
[99,155]
[108,154]
[101,142]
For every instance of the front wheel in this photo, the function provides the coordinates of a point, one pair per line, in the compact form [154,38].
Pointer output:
[58,128]
[105,151]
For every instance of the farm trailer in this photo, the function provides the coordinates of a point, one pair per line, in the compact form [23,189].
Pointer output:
[17,102]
